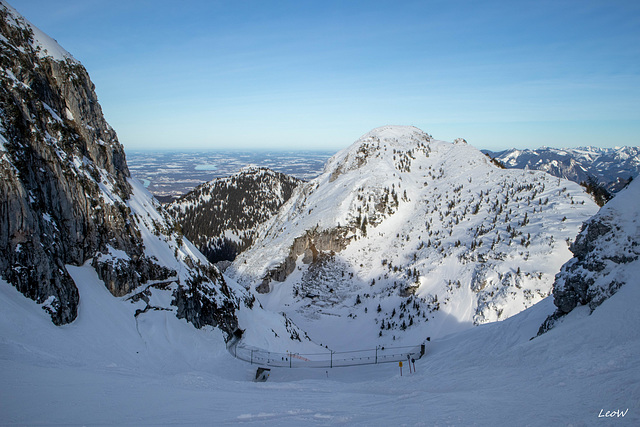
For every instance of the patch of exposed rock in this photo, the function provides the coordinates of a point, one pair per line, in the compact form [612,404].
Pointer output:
[311,246]
[606,254]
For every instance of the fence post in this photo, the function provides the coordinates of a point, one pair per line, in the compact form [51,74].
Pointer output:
[349,358]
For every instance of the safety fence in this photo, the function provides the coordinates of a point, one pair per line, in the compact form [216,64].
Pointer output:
[329,359]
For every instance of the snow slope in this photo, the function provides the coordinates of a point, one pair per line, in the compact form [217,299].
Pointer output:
[404,237]
[161,372]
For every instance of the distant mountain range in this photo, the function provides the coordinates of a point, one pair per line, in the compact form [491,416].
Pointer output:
[610,167]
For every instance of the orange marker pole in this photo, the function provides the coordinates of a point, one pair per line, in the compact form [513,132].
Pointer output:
[400,364]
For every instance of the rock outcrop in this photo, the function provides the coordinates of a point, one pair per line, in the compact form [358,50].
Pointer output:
[606,256]
[314,246]
[66,196]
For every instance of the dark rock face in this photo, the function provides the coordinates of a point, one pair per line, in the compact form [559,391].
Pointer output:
[220,216]
[57,151]
[121,276]
[607,244]
[575,284]
[202,304]
[65,198]
[313,245]
[586,241]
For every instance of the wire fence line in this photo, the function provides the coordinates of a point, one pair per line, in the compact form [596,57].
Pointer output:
[329,359]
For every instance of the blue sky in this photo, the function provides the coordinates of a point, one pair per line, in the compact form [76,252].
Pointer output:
[319,74]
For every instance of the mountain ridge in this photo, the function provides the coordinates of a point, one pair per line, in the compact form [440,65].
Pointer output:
[610,167]
[401,229]
[220,216]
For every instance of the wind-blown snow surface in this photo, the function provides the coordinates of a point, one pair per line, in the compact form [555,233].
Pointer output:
[106,369]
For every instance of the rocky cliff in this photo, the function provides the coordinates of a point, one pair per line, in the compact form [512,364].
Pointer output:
[606,256]
[66,197]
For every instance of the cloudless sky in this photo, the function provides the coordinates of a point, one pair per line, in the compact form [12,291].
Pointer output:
[319,74]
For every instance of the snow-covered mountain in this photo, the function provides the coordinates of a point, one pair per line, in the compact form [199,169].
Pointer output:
[69,207]
[220,216]
[72,221]
[611,167]
[605,256]
[105,370]
[405,236]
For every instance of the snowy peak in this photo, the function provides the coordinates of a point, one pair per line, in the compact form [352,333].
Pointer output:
[374,144]
[365,181]
[43,45]
[401,230]
[401,136]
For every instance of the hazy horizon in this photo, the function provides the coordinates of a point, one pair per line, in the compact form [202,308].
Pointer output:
[299,75]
